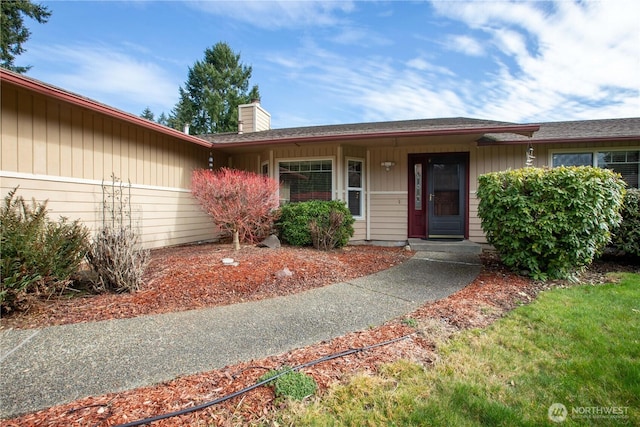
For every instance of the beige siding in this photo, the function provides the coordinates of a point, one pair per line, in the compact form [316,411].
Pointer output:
[163,216]
[389,216]
[360,230]
[62,153]
[46,137]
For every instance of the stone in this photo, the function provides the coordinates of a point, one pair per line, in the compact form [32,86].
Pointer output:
[271,242]
[285,273]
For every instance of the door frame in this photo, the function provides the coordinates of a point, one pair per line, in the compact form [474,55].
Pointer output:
[414,158]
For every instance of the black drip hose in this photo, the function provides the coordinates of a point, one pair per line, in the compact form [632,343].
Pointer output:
[258,384]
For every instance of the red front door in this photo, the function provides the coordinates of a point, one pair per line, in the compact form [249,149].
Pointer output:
[438,195]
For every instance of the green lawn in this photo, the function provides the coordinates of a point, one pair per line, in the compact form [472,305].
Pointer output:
[579,347]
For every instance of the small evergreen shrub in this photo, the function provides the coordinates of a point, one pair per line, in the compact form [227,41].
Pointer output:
[293,384]
[550,222]
[627,236]
[323,224]
[37,255]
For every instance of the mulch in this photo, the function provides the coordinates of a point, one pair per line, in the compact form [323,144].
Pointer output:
[493,293]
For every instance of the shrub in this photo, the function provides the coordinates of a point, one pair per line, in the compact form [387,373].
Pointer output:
[36,255]
[115,254]
[627,236]
[241,203]
[290,383]
[550,222]
[324,224]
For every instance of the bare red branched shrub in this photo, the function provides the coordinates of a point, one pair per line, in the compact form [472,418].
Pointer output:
[241,203]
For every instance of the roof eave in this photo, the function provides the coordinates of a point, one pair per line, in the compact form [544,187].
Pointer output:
[487,142]
[61,95]
[525,130]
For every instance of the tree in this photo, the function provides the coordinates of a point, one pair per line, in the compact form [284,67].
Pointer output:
[13,33]
[242,203]
[148,114]
[214,88]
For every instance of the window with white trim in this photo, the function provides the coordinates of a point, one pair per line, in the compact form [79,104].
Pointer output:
[355,186]
[302,180]
[624,162]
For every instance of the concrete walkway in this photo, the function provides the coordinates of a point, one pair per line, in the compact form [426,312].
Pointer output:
[40,368]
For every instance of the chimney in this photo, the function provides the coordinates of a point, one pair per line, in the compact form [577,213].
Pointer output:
[253,118]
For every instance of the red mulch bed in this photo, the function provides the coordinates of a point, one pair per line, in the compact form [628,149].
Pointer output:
[193,271]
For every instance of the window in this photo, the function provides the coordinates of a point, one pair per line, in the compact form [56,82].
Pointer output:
[355,187]
[626,163]
[265,168]
[303,180]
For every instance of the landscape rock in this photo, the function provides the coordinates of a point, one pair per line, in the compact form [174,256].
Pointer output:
[271,242]
[284,273]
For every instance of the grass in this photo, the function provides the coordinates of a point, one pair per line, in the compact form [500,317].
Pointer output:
[578,346]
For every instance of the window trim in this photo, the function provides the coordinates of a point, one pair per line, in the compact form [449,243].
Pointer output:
[277,162]
[362,184]
[593,150]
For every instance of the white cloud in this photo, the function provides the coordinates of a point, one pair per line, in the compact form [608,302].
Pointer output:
[571,59]
[279,14]
[110,76]
[464,44]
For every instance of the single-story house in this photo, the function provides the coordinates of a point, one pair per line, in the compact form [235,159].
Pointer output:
[400,179]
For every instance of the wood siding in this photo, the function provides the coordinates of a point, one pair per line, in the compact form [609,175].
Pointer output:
[62,153]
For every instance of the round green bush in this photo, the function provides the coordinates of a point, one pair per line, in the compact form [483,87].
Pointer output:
[550,222]
[627,236]
[295,219]
[290,383]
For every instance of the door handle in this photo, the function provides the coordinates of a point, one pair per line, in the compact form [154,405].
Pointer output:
[431,196]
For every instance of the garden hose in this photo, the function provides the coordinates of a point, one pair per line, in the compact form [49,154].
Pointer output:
[258,384]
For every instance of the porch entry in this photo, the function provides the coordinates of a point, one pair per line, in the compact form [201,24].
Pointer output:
[438,195]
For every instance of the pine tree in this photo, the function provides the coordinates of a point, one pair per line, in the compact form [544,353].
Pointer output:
[214,88]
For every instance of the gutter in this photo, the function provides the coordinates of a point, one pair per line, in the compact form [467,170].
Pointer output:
[36,86]
[525,130]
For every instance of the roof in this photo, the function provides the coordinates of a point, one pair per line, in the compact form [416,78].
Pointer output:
[425,127]
[34,85]
[624,129]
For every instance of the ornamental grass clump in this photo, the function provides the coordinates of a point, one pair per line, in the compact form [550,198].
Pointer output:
[550,223]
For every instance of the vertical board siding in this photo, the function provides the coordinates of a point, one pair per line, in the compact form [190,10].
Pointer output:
[46,137]
[389,216]
[58,152]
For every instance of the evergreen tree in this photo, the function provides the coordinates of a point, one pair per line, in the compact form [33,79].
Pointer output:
[148,114]
[214,88]
[13,32]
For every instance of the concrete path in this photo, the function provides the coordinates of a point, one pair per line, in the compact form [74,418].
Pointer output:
[40,368]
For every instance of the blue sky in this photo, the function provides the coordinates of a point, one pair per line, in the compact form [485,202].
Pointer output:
[319,62]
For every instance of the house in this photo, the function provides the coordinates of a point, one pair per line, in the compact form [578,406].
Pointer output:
[62,147]
[401,180]
[418,178]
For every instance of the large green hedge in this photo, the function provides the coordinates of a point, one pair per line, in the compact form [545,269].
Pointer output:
[627,236]
[550,222]
[297,220]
